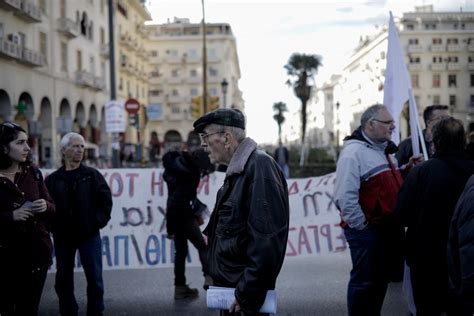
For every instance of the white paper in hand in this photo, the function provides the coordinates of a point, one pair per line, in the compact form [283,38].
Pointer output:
[223,297]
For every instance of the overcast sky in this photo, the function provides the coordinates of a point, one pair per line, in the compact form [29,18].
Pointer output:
[268,32]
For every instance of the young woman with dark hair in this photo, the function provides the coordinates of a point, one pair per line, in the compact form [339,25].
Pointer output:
[25,244]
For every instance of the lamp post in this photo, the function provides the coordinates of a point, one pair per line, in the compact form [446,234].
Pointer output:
[337,130]
[224,85]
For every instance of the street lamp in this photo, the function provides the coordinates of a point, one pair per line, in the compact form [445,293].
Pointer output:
[337,130]
[224,85]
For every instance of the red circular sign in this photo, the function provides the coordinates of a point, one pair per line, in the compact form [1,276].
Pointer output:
[132,106]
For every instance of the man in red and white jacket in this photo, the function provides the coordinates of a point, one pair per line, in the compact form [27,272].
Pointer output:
[367,184]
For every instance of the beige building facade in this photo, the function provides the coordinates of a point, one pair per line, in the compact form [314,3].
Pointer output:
[175,77]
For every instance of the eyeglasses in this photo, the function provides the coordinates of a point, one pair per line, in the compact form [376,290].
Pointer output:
[390,122]
[203,136]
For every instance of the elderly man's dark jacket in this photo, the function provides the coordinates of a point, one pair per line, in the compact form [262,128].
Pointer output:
[248,229]
[82,209]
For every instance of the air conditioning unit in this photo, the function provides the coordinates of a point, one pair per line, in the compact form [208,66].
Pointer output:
[15,38]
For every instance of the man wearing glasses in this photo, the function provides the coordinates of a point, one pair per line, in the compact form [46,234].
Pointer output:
[367,184]
[248,229]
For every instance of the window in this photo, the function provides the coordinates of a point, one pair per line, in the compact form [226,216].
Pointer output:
[437,59]
[1,30]
[102,4]
[194,92]
[102,35]
[120,84]
[193,73]
[192,53]
[470,59]
[452,59]
[413,41]
[44,46]
[472,100]
[172,52]
[79,60]
[175,73]
[437,41]
[62,9]
[436,80]
[472,80]
[430,26]
[451,80]
[154,53]
[212,91]
[64,59]
[155,74]
[42,6]
[212,72]
[436,99]
[410,27]
[452,41]
[414,60]
[415,81]
[452,100]
[175,93]
[154,93]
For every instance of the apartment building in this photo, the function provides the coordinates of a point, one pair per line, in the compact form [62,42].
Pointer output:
[54,71]
[439,48]
[132,64]
[176,72]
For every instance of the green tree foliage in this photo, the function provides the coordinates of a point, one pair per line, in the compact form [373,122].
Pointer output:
[279,108]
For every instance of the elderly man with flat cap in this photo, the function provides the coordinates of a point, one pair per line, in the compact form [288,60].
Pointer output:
[248,229]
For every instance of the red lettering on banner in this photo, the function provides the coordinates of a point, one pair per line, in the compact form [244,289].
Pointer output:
[303,240]
[204,183]
[154,183]
[131,183]
[290,245]
[306,187]
[116,178]
[293,188]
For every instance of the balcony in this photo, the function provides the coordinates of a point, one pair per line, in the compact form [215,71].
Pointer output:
[84,78]
[436,48]
[9,50]
[32,58]
[29,12]
[414,48]
[104,50]
[454,66]
[99,83]
[68,27]
[438,67]
[10,5]
[415,67]
[454,48]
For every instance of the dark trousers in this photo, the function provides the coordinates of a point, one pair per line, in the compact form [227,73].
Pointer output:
[188,230]
[367,284]
[20,289]
[90,252]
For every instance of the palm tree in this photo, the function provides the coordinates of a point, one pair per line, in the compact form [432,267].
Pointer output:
[301,68]
[279,108]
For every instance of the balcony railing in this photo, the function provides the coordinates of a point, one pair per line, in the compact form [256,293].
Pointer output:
[99,83]
[10,5]
[438,48]
[84,78]
[415,67]
[32,58]
[68,27]
[454,66]
[10,50]
[454,48]
[438,67]
[29,12]
[414,48]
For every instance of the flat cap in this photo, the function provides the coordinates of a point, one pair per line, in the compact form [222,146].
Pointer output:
[226,117]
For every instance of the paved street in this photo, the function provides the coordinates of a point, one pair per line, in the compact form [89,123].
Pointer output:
[311,286]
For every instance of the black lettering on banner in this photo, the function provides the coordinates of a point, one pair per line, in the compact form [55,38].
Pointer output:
[311,200]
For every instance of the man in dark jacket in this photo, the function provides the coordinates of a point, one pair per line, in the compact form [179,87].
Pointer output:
[431,115]
[248,229]
[461,249]
[426,203]
[83,206]
[182,175]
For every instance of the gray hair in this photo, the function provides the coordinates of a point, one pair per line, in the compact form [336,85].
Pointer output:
[370,113]
[238,133]
[66,140]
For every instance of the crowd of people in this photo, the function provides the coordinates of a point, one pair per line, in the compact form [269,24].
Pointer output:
[396,209]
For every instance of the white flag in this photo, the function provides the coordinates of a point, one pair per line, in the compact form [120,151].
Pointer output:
[397,86]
